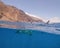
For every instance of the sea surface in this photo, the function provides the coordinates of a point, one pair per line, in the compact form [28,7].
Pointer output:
[39,39]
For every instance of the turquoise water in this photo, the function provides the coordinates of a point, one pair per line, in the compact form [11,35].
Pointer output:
[39,39]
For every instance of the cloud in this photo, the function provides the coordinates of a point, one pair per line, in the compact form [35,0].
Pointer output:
[52,20]
[55,20]
[36,16]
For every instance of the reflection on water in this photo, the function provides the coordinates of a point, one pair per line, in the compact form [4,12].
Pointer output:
[57,25]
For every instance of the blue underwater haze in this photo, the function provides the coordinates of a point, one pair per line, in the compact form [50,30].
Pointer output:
[39,39]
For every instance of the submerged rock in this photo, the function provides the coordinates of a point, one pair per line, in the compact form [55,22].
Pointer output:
[24,31]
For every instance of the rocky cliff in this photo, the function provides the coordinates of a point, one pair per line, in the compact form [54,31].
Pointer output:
[11,13]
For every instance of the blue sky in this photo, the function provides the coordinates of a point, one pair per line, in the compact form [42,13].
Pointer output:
[43,8]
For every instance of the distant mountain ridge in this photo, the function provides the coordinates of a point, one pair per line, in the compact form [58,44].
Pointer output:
[11,13]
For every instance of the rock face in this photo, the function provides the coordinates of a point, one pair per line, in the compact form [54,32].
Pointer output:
[11,13]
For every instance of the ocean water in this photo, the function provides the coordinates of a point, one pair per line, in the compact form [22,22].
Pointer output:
[39,39]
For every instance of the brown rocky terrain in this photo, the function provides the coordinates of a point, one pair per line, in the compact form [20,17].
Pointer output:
[11,13]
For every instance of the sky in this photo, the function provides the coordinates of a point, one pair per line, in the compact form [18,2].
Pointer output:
[43,8]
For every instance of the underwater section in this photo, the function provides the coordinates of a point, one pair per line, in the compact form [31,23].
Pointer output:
[12,38]
[24,31]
